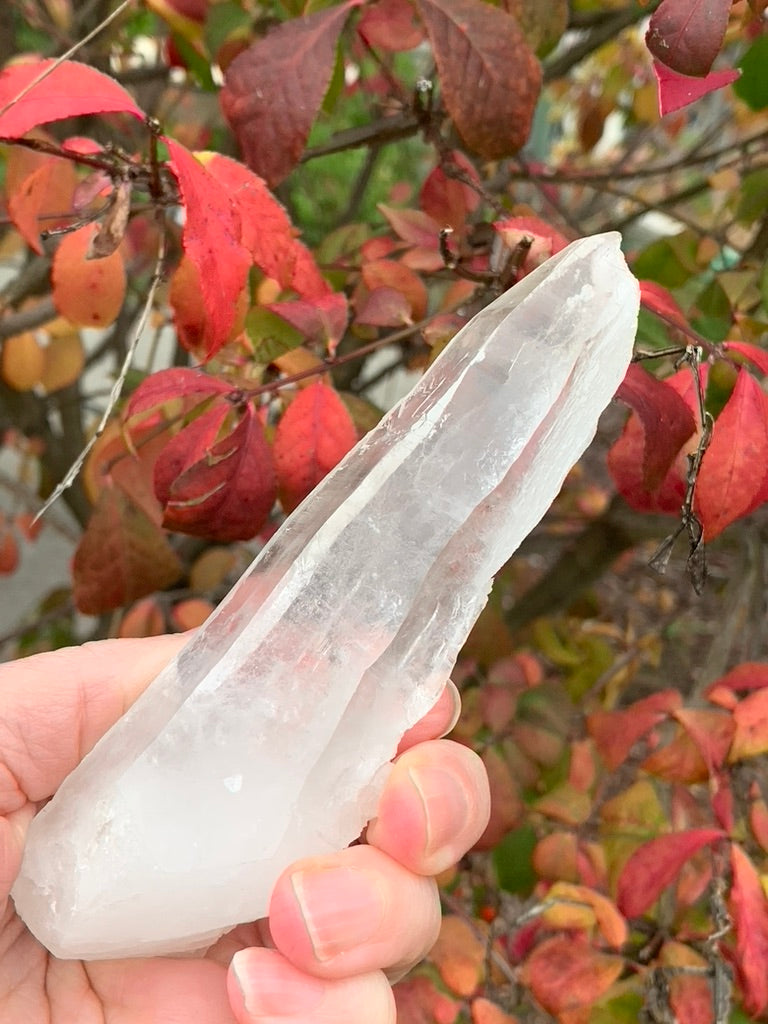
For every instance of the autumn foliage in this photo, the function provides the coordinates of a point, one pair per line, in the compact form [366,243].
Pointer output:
[252,232]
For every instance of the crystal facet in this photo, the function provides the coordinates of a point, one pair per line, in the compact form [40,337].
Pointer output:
[268,737]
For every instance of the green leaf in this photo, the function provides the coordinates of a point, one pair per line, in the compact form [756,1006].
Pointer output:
[225,22]
[669,261]
[752,87]
[513,860]
[715,316]
[753,200]
[270,335]
[198,66]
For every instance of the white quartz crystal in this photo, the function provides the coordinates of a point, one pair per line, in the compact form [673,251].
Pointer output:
[268,737]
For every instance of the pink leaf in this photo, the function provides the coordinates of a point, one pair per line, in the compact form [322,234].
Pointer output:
[676,91]
[686,35]
[273,90]
[654,865]
[211,240]
[70,90]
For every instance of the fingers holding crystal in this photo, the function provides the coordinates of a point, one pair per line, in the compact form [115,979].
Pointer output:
[437,722]
[434,807]
[352,913]
[263,986]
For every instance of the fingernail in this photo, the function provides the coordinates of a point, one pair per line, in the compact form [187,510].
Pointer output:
[456,698]
[342,908]
[446,808]
[271,988]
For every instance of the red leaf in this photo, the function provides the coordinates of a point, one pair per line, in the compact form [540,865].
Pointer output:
[273,90]
[655,864]
[221,489]
[757,356]
[750,675]
[167,385]
[70,90]
[686,35]
[211,239]
[419,1002]
[750,717]
[267,231]
[749,910]
[565,973]
[667,422]
[448,201]
[121,556]
[658,299]
[626,457]
[489,77]
[711,731]
[391,25]
[677,91]
[616,732]
[733,471]
[314,433]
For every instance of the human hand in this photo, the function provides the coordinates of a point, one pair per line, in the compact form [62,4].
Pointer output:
[339,926]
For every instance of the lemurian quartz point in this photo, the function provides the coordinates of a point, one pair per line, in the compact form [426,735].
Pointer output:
[268,737]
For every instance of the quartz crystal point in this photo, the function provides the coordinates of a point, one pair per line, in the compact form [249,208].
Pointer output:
[268,737]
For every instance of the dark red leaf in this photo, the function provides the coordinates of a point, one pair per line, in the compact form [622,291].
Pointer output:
[448,200]
[677,91]
[121,556]
[224,489]
[489,77]
[732,478]
[321,321]
[656,864]
[658,299]
[686,35]
[626,459]
[70,90]
[314,433]
[667,422]
[391,25]
[166,385]
[749,910]
[273,90]
[757,356]
[211,239]
[616,732]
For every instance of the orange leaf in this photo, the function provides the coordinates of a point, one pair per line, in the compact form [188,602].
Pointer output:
[121,556]
[749,910]
[419,1002]
[393,275]
[22,361]
[564,973]
[9,551]
[486,1012]
[459,955]
[145,618]
[750,675]
[64,361]
[87,292]
[601,912]
[711,731]
[475,45]
[731,482]
[41,198]
[750,717]
[313,435]
[191,613]
[654,865]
